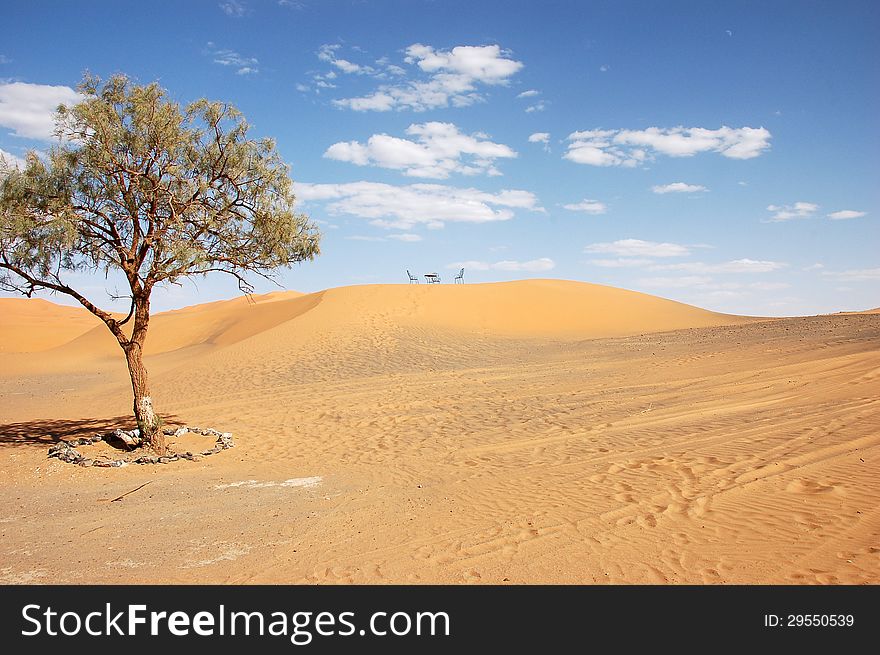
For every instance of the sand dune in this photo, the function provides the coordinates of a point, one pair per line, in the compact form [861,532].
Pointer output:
[538,308]
[876,310]
[218,323]
[539,431]
[31,325]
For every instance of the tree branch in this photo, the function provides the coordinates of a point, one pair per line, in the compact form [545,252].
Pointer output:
[58,286]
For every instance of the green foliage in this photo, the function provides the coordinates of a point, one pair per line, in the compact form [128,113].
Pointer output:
[161,193]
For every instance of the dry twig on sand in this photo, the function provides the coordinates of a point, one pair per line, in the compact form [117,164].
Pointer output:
[113,500]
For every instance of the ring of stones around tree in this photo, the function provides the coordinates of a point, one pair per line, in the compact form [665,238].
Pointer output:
[66,450]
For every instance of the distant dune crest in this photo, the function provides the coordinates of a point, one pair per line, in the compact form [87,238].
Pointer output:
[525,308]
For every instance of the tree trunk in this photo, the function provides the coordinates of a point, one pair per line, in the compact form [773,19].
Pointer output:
[147,421]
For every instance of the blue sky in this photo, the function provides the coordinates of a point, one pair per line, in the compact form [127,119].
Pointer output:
[723,154]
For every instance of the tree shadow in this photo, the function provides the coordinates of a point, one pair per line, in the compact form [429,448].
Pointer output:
[45,432]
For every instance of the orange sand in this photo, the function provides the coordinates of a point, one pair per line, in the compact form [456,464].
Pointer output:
[535,431]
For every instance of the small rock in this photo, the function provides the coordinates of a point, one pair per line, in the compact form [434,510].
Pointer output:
[107,463]
[70,455]
[130,438]
[86,462]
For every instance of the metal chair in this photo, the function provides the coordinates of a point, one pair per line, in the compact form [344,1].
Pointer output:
[432,278]
[460,277]
[412,278]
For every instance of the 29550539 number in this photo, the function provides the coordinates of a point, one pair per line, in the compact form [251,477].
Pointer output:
[820,620]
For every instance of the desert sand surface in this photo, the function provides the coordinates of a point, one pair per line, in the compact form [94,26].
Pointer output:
[527,432]
[31,325]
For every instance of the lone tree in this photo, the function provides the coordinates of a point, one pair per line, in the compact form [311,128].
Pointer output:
[140,186]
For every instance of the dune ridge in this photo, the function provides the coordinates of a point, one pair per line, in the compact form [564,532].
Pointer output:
[529,308]
[34,324]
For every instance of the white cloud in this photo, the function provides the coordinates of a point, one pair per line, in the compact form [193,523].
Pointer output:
[716,289]
[29,109]
[484,63]
[439,149]
[471,265]
[5,60]
[620,262]
[845,214]
[224,57]
[678,187]
[855,275]
[235,8]
[541,137]
[379,101]
[735,266]
[588,207]
[604,68]
[538,106]
[327,53]
[347,67]
[769,286]
[814,267]
[531,93]
[453,79]
[630,148]
[406,237]
[674,282]
[531,266]
[790,212]
[634,253]
[749,266]
[402,207]
[638,248]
